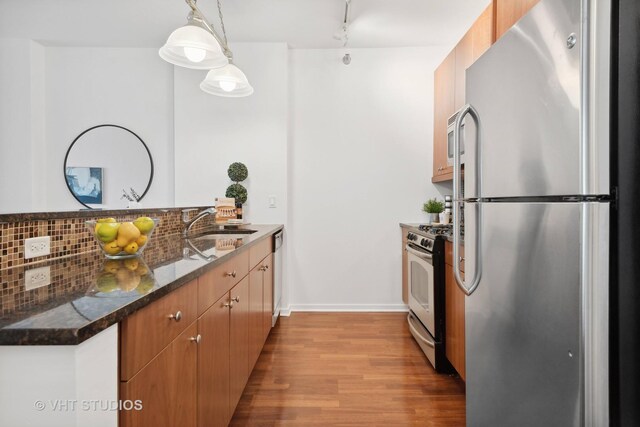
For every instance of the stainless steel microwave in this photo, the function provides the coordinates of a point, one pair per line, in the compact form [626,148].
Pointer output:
[450,129]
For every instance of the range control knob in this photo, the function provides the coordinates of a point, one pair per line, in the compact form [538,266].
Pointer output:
[423,242]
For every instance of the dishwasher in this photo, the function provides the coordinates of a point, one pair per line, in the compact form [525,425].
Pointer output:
[277,277]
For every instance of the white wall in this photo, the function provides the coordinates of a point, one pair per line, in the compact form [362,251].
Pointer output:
[21,123]
[130,87]
[360,161]
[212,132]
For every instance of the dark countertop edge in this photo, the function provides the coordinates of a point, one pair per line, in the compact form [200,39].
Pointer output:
[75,336]
[85,213]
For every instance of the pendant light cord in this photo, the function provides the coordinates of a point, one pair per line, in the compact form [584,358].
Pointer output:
[224,32]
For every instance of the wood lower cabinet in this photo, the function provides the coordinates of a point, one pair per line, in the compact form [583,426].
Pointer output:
[454,316]
[508,12]
[256,302]
[267,307]
[188,357]
[260,307]
[166,387]
[214,409]
[145,333]
[238,342]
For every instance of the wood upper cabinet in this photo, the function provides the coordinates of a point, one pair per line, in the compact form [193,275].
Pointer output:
[213,365]
[166,387]
[450,89]
[444,107]
[238,342]
[508,12]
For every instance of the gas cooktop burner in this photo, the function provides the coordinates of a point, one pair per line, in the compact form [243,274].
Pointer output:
[437,230]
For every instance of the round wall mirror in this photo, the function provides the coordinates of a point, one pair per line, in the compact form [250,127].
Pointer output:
[105,162]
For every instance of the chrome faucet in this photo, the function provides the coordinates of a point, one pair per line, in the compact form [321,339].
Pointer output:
[189,223]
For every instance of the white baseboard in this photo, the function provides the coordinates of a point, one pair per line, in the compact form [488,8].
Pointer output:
[286,312]
[374,308]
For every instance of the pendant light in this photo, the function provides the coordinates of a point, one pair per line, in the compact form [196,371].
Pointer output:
[198,46]
[228,81]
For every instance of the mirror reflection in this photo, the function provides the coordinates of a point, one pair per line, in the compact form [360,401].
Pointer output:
[108,166]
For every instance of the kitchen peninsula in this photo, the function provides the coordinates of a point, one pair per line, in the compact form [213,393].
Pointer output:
[83,354]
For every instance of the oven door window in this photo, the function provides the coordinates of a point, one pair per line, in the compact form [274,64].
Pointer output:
[421,286]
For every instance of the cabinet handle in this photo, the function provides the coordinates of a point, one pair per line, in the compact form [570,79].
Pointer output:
[196,339]
[177,317]
[232,274]
[236,299]
[228,304]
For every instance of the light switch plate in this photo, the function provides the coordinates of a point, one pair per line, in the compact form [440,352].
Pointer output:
[37,246]
[272,201]
[37,278]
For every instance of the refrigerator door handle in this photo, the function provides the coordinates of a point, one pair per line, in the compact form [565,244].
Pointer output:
[457,201]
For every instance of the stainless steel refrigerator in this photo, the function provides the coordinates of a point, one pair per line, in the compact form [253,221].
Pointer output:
[536,220]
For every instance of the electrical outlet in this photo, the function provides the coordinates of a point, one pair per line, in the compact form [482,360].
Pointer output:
[37,278]
[272,201]
[37,246]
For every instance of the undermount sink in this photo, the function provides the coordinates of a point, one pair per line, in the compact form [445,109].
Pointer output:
[225,231]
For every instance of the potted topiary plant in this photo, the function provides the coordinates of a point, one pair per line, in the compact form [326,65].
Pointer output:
[237,172]
[433,207]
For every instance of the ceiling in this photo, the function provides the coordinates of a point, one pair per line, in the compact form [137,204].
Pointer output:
[300,23]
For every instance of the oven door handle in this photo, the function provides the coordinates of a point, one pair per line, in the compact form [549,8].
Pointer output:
[419,254]
[428,342]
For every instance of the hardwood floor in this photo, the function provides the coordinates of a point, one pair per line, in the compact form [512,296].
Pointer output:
[347,369]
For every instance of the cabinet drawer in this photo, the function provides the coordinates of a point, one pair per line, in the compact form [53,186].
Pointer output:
[260,251]
[166,387]
[448,254]
[145,333]
[214,284]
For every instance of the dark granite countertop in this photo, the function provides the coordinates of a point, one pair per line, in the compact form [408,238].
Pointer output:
[89,293]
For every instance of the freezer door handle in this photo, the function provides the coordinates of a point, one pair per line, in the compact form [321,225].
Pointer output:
[457,201]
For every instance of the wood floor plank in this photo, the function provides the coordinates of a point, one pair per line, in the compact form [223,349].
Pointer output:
[347,369]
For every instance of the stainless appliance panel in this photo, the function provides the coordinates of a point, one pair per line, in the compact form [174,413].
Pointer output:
[421,286]
[527,91]
[523,322]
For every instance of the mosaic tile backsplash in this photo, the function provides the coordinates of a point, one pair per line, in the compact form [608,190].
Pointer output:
[69,236]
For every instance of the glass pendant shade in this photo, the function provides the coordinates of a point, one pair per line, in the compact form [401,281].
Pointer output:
[193,47]
[227,81]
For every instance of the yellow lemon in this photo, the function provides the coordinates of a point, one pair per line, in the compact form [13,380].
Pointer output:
[101,220]
[106,232]
[131,248]
[107,283]
[127,233]
[142,240]
[111,266]
[127,280]
[144,224]
[112,248]
[131,264]
[146,284]
[142,270]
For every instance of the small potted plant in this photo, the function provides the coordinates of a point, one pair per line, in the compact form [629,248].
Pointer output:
[433,207]
[237,172]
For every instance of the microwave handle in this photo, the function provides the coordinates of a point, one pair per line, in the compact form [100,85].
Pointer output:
[458,201]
